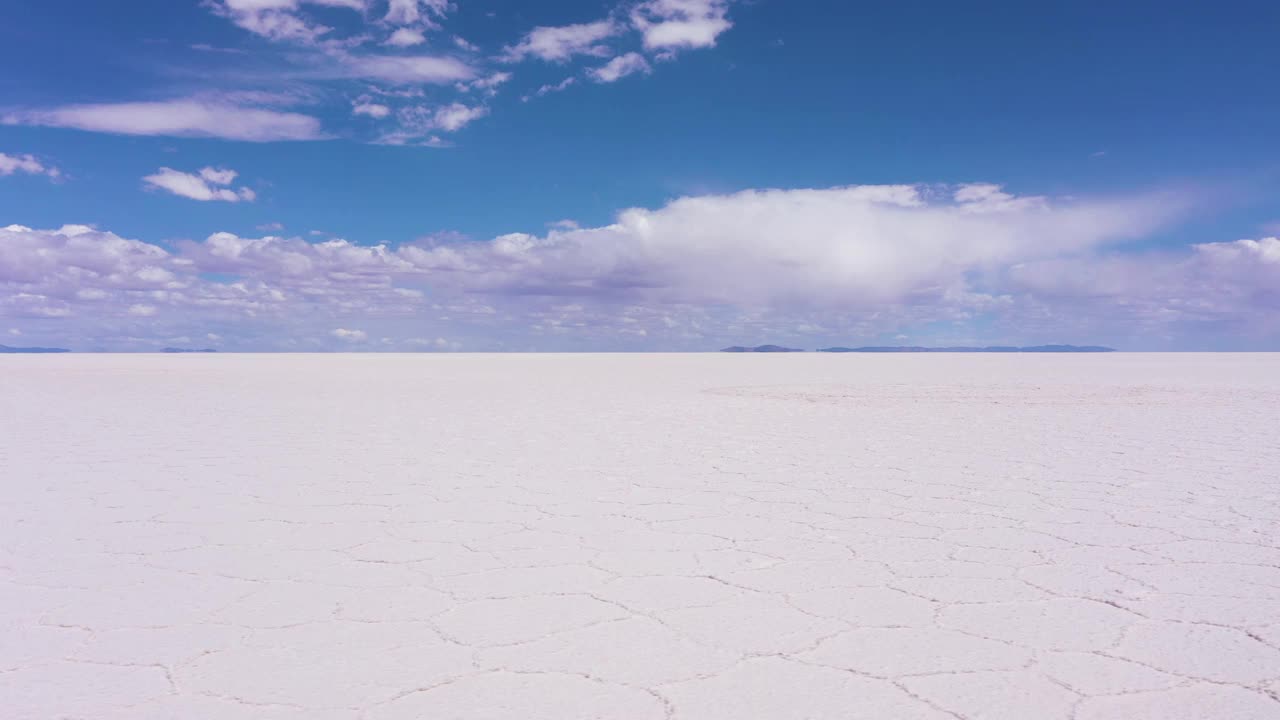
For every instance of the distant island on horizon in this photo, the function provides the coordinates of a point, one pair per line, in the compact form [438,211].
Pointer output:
[760,349]
[172,350]
[31,350]
[966,349]
[918,349]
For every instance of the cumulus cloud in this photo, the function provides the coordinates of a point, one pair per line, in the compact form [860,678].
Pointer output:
[293,261]
[835,246]
[96,280]
[28,164]
[208,184]
[189,117]
[620,67]
[679,24]
[559,44]
[772,263]
[44,273]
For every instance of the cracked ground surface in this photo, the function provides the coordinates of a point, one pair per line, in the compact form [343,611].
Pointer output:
[693,537]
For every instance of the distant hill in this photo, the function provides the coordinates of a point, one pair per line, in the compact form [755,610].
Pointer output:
[187,350]
[989,349]
[32,350]
[760,348]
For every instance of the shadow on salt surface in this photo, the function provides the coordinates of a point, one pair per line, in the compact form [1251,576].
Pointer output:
[1011,394]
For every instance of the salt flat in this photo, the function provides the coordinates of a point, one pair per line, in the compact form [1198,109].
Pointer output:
[639,536]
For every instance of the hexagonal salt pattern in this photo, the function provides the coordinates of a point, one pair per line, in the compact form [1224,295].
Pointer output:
[634,537]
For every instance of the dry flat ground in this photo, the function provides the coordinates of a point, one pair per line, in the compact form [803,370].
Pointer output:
[639,537]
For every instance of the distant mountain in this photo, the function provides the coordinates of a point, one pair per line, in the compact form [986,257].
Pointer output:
[989,349]
[187,350]
[760,348]
[32,350]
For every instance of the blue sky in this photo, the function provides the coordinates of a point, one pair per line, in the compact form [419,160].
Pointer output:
[641,175]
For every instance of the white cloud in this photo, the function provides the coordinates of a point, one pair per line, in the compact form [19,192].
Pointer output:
[289,260]
[856,260]
[455,116]
[371,109]
[488,83]
[439,344]
[271,227]
[353,336]
[219,176]
[409,12]
[29,164]
[1229,289]
[209,184]
[177,118]
[402,69]
[558,44]
[280,20]
[675,24]
[294,22]
[866,244]
[1264,252]
[406,37]
[408,138]
[561,86]
[417,123]
[620,67]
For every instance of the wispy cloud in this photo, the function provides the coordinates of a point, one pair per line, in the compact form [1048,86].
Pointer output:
[280,20]
[291,21]
[549,88]
[417,125]
[410,12]
[339,49]
[370,109]
[405,69]
[621,67]
[489,84]
[184,117]
[559,44]
[27,164]
[207,185]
